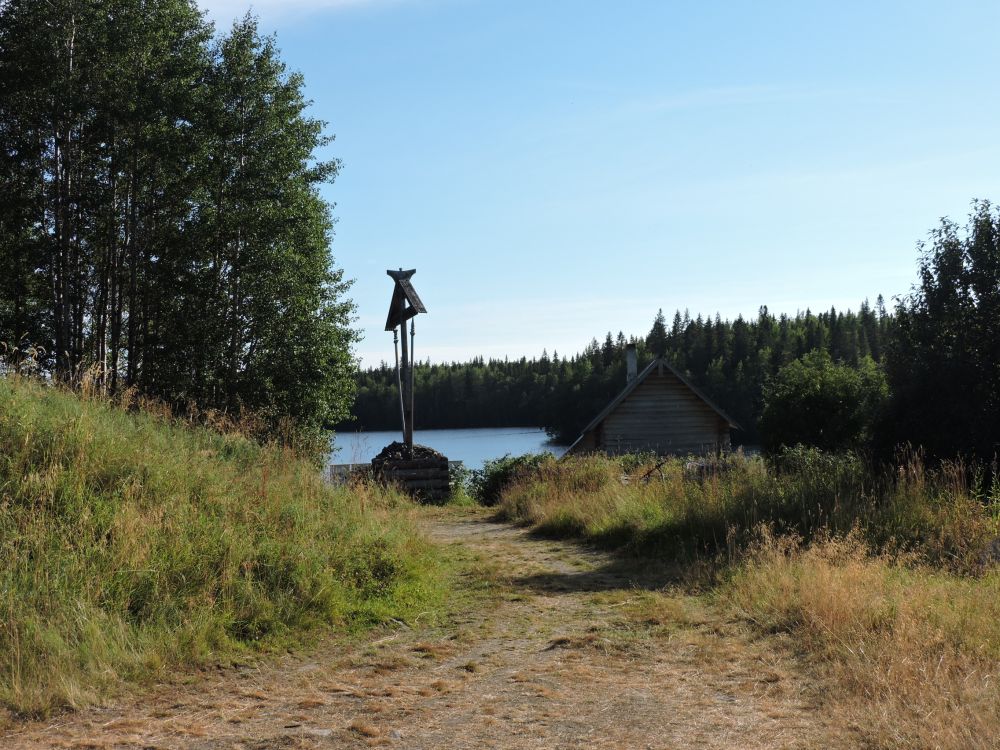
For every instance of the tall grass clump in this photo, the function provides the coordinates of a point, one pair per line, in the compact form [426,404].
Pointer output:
[912,653]
[131,543]
[697,508]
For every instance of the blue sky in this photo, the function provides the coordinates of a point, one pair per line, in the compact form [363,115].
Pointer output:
[555,170]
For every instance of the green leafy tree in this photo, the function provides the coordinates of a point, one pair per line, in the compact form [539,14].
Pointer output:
[160,216]
[943,362]
[96,101]
[816,402]
[272,304]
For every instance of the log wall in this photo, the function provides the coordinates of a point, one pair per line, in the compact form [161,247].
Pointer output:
[425,478]
[664,416]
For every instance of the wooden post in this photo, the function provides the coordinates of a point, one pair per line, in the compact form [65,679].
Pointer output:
[407,384]
[413,361]
[399,380]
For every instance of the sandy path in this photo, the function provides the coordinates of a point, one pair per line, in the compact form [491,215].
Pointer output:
[558,659]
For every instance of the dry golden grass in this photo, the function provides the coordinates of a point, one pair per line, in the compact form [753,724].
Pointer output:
[912,654]
[908,643]
[364,728]
[433,650]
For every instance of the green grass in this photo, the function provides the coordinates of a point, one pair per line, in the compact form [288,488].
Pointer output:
[131,544]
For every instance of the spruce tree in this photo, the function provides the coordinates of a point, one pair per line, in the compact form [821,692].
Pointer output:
[656,339]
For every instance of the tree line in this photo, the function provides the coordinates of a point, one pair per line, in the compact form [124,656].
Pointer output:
[161,227]
[730,360]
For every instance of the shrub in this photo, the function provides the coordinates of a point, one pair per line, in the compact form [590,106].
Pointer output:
[487,484]
[813,401]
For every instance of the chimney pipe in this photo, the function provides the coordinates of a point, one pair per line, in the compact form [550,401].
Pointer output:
[631,364]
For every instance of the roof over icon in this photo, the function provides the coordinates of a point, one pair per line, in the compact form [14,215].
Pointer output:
[405,302]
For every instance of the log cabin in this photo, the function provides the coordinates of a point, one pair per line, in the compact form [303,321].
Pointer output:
[659,411]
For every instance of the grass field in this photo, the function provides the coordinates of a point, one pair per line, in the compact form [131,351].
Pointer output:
[132,544]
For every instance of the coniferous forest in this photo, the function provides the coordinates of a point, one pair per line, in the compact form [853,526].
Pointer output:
[729,360]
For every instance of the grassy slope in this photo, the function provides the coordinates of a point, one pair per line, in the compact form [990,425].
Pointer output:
[130,544]
[909,643]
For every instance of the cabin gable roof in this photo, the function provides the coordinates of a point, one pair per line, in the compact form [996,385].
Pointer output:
[658,364]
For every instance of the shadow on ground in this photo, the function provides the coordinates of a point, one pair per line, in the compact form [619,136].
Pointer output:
[615,575]
[596,568]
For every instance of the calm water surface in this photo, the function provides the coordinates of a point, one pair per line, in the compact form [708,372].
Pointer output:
[472,447]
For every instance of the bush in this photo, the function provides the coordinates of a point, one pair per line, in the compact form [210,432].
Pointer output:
[815,402]
[487,484]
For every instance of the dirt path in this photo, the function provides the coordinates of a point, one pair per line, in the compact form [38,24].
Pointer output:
[571,652]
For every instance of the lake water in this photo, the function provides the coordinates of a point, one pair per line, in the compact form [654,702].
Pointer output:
[472,447]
